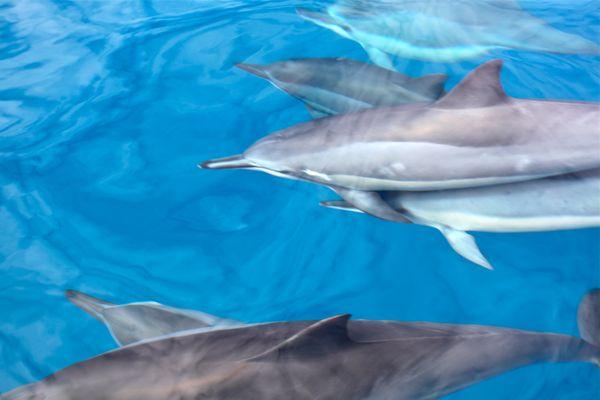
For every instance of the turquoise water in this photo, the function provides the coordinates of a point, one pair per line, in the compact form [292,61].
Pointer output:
[106,107]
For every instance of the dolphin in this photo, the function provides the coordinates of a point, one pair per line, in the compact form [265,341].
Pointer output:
[476,135]
[588,316]
[442,30]
[568,201]
[330,86]
[334,358]
[134,322]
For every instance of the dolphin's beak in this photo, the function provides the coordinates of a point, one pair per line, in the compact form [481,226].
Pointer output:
[253,69]
[232,162]
[87,303]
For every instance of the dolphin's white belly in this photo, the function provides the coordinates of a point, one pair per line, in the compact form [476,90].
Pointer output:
[482,223]
[388,166]
[565,202]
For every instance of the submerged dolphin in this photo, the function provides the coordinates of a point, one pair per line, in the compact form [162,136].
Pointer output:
[443,30]
[561,202]
[331,86]
[134,322]
[474,136]
[329,359]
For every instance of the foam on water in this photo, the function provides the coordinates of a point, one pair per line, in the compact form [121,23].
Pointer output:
[106,107]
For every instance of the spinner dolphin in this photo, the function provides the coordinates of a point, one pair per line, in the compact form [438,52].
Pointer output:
[335,358]
[570,201]
[330,86]
[442,30]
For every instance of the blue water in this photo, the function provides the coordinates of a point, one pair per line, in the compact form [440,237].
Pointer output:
[107,106]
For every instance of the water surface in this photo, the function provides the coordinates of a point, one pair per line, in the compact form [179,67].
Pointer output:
[106,107]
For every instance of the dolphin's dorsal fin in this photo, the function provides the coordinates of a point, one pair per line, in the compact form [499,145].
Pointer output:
[321,337]
[480,88]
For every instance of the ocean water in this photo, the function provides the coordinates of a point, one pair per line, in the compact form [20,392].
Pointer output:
[106,107]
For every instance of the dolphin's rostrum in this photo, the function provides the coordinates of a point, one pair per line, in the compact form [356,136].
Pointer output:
[134,322]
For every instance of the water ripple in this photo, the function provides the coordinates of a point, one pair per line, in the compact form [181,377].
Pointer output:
[107,106]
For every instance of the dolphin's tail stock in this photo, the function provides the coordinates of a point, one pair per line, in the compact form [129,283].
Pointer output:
[233,162]
[588,320]
[87,303]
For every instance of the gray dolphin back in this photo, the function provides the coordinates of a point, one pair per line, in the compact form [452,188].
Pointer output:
[588,318]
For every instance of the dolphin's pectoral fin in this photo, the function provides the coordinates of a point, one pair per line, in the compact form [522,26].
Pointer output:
[339,205]
[465,245]
[379,57]
[319,338]
[480,88]
[326,21]
[371,203]
[316,113]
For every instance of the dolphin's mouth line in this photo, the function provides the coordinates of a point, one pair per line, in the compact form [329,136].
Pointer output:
[304,175]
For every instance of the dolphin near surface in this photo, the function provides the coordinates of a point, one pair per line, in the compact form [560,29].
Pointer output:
[330,86]
[335,358]
[443,30]
[475,135]
[568,201]
[134,322]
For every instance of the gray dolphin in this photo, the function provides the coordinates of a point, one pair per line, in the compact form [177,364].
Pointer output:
[133,322]
[329,359]
[568,201]
[442,30]
[331,86]
[474,136]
